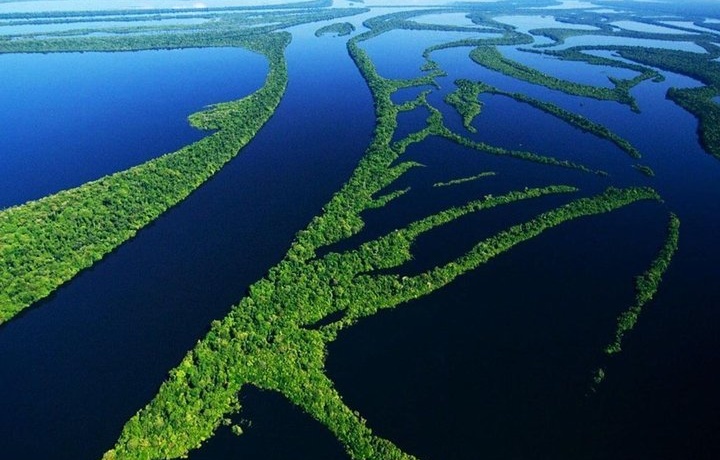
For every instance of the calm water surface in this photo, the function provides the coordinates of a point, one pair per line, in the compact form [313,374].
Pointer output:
[589,40]
[82,362]
[644,27]
[574,71]
[398,53]
[525,24]
[74,117]
[497,365]
[454,19]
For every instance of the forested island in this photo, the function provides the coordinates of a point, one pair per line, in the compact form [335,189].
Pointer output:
[347,265]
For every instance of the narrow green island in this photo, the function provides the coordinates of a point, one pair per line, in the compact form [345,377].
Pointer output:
[269,339]
[45,243]
[276,336]
[436,127]
[339,29]
[491,58]
[465,105]
[463,180]
[647,170]
[646,286]
[465,101]
[701,66]
[698,101]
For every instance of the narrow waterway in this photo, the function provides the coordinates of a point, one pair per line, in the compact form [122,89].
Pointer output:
[499,363]
[76,366]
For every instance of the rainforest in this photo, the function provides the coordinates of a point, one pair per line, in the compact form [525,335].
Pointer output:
[359,229]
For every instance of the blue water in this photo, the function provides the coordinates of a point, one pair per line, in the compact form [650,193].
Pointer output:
[71,118]
[577,72]
[497,125]
[410,122]
[398,53]
[84,360]
[586,40]
[407,94]
[645,27]
[453,19]
[496,365]
[274,429]
[457,62]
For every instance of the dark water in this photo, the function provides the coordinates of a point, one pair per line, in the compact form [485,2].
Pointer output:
[71,118]
[79,364]
[407,94]
[272,428]
[499,363]
[496,365]
[410,122]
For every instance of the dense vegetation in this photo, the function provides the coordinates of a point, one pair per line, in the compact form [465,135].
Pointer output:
[487,55]
[276,337]
[436,127]
[646,285]
[647,170]
[464,105]
[262,342]
[603,24]
[465,100]
[491,58]
[45,243]
[520,154]
[223,29]
[575,120]
[578,54]
[698,101]
[271,339]
[463,180]
[339,28]
[703,67]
